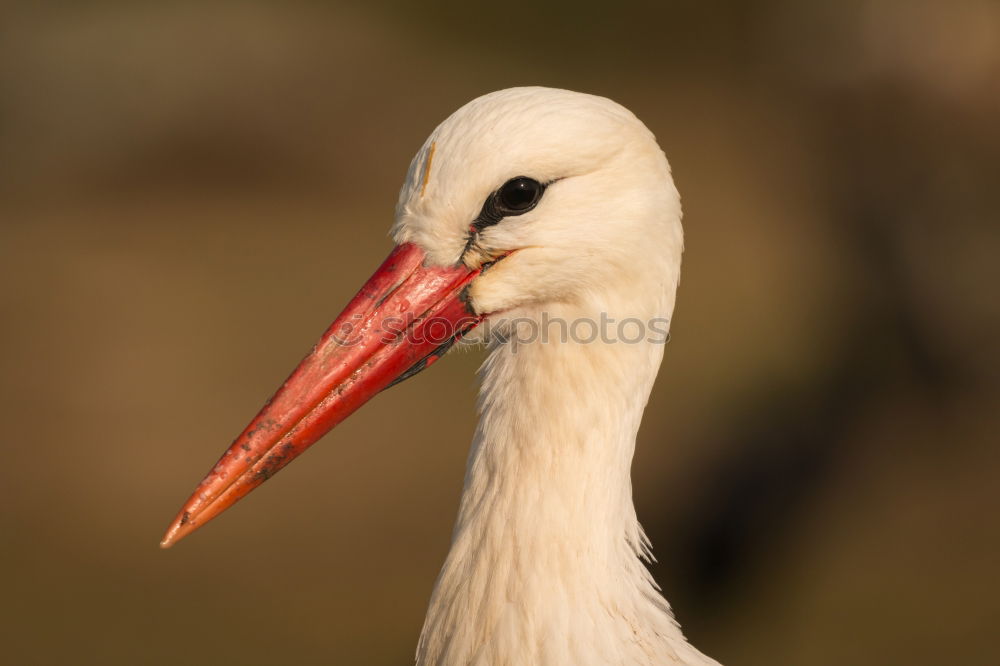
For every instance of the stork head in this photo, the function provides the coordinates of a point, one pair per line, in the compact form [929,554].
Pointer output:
[522,198]
[570,190]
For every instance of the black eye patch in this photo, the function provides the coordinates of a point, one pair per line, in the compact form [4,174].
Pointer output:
[515,197]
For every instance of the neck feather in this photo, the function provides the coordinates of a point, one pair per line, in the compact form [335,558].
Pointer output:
[545,561]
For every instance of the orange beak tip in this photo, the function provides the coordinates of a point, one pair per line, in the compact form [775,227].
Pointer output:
[179,528]
[169,539]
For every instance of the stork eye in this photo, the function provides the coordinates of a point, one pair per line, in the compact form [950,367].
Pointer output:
[515,197]
[518,195]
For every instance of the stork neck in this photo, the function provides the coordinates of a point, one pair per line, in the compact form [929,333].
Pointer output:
[545,553]
[553,449]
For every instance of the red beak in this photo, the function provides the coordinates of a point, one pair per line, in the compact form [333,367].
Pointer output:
[403,319]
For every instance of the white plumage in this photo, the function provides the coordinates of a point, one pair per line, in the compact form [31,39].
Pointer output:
[545,565]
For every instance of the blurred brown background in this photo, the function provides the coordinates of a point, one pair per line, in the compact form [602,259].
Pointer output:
[189,192]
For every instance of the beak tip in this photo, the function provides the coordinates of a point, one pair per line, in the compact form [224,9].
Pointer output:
[169,539]
[174,533]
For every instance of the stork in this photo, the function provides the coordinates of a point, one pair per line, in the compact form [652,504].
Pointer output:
[525,207]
